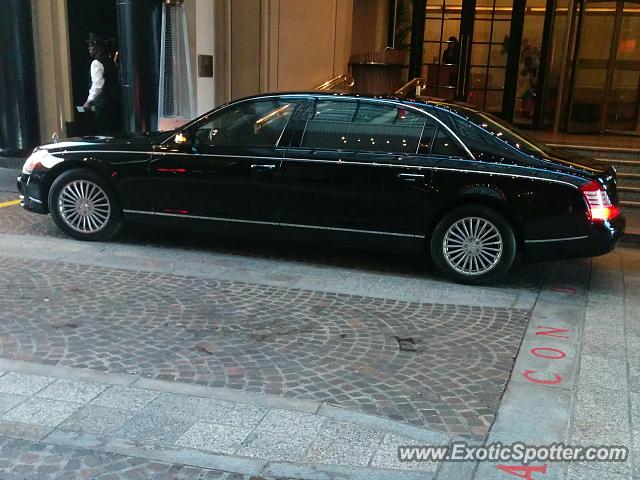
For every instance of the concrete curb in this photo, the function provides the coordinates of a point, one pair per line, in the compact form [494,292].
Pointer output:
[229,463]
[537,404]
[630,239]
[13,163]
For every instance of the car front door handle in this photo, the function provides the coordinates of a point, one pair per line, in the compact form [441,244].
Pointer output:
[263,168]
[411,177]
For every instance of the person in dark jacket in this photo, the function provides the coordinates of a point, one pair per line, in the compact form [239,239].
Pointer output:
[104,94]
[452,53]
[451,56]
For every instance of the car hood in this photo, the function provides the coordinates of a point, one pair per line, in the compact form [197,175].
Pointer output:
[131,142]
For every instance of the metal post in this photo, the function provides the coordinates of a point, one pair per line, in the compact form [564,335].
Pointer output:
[417,38]
[571,13]
[139,23]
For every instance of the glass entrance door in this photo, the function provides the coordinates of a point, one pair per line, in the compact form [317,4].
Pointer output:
[606,79]
[484,52]
[488,44]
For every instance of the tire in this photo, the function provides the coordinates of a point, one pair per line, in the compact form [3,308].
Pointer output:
[473,245]
[83,206]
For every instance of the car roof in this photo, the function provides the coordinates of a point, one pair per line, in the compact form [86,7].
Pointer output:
[423,101]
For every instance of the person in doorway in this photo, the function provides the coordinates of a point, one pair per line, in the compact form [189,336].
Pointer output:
[452,53]
[104,94]
[450,57]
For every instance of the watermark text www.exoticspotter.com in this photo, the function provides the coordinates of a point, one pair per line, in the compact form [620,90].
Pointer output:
[515,452]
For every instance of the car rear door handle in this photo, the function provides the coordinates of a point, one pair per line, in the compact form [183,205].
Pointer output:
[411,177]
[263,168]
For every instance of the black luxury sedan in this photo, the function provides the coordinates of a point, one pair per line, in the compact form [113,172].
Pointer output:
[433,177]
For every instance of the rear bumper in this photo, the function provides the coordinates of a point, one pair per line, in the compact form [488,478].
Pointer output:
[601,238]
[30,194]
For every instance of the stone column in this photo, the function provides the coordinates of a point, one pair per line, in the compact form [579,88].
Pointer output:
[19,128]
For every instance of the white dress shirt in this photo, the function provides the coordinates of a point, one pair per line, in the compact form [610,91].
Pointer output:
[97,80]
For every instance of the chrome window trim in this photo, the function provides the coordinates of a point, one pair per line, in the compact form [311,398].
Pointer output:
[405,106]
[318,227]
[150,152]
[372,164]
[260,222]
[395,103]
[565,239]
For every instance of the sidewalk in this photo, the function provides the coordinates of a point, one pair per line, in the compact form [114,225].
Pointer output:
[211,429]
[585,326]
[577,375]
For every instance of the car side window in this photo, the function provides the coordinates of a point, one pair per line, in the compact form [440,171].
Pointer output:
[257,123]
[361,125]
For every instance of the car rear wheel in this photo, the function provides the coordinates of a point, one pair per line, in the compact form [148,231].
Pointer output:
[83,206]
[474,245]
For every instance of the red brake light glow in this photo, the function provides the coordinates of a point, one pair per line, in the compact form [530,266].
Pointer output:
[600,206]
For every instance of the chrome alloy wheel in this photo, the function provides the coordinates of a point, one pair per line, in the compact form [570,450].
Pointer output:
[472,246]
[84,206]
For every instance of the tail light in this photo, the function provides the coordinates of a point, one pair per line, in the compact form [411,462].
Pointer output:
[600,206]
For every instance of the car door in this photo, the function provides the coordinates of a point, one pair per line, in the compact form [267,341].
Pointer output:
[224,166]
[355,168]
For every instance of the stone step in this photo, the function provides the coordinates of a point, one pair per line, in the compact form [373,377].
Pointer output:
[623,166]
[629,193]
[602,152]
[628,180]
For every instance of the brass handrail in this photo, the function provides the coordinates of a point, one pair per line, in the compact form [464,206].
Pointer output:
[416,83]
[334,83]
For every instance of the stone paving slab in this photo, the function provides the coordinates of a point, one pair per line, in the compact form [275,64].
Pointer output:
[21,460]
[154,425]
[438,366]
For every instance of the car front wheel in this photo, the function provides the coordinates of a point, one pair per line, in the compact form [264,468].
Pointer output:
[83,206]
[473,245]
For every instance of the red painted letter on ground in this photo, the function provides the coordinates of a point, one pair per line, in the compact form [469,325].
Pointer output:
[553,332]
[527,374]
[548,352]
[525,472]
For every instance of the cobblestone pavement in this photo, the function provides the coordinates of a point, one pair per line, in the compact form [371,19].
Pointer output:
[439,366]
[18,221]
[25,460]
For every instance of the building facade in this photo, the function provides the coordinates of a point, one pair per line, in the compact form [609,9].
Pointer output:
[564,65]
[567,65]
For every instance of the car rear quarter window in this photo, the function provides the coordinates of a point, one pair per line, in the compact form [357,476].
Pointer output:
[361,125]
[483,144]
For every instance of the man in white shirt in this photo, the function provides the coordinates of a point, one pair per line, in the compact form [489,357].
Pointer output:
[104,94]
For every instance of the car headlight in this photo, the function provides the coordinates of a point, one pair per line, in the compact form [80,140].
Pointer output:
[34,160]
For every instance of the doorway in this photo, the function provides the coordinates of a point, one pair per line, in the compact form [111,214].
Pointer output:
[97,17]
[484,52]
[606,78]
